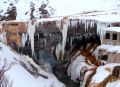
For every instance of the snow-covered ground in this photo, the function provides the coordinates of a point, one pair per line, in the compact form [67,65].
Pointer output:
[23,72]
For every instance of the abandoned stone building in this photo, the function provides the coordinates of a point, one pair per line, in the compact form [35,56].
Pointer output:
[14,31]
[110,40]
[112,36]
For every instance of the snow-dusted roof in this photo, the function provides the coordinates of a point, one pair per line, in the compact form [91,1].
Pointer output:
[114,29]
[110,48]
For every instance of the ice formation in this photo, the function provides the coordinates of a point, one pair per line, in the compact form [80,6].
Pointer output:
[24,39]
[64,34]
[31,32]
[58,51]
[2,34]
[100,27]
[76,66]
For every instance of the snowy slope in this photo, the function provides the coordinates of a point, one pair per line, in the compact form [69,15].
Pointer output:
[71,7]
[62,8]
[23,72]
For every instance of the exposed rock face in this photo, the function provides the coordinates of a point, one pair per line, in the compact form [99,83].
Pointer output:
[10,14]
[13,9]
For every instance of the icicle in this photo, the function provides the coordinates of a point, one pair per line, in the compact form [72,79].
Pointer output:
[64,35]
[87,25]
[100,29]
[58,51]
[74,23]
[2,34]
[58,24]
[24,39]
[1,25]
[71,42]
[84,21]
[92,24]
[31,31]
[81,21]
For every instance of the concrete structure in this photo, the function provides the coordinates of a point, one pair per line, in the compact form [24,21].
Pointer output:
[14,32]
[15,27]
[111,39]
[112,36]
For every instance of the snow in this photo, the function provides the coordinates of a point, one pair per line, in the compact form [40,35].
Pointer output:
[109,48]
[109,16]
[50,19]
[70,7]
[101,72]
[114,29]
[19,76]
[76,66]
[24,5]
[98,11]
[114,84]
[97,77]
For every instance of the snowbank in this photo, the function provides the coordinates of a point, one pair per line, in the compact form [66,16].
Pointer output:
[24,72]
[102,73]
[97,77]
[114,84]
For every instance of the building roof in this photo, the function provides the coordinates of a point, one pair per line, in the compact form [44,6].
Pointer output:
[114,29]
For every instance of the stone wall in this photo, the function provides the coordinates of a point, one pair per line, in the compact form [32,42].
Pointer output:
[110,41]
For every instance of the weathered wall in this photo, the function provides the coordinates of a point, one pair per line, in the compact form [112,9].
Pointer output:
[110,41]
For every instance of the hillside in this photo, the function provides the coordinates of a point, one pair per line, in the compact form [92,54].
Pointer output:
[21,71]
[23,8]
